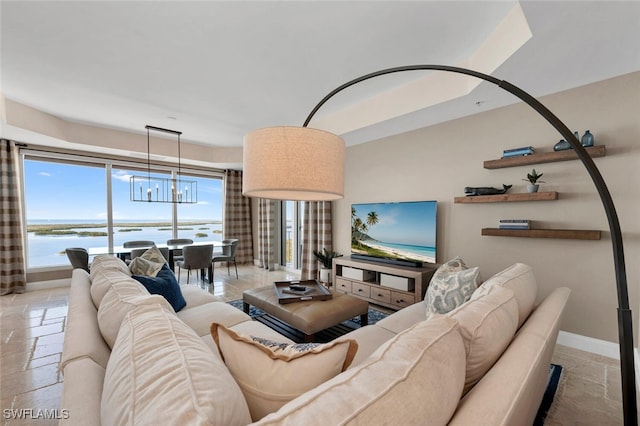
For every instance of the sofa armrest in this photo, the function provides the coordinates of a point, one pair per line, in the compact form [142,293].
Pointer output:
[511,392]
[82,337]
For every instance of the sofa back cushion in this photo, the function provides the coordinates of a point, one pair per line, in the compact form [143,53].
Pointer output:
[271,374]
[161,373]
[518,278]
[415,378]
[108,270]
[487,325]
[121,298]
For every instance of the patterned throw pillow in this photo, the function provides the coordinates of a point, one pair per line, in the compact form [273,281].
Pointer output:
[271,374]
[148,263]
[452,285]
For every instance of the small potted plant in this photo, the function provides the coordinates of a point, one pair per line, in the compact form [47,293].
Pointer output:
[325,257]
[534,179]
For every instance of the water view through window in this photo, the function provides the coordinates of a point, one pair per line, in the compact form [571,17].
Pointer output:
[66,206]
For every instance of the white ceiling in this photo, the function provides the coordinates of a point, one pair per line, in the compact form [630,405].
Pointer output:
[221,69]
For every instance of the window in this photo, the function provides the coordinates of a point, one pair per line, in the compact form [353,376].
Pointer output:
[65,206]
[202,221]
[67,201]
[291,235]
[135,220]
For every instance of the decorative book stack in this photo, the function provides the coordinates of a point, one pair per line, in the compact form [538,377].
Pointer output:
[515,224]
[516,152]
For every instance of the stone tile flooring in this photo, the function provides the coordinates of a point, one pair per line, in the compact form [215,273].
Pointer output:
[32,333]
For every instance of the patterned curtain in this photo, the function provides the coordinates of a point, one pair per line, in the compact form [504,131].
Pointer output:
[12,274]
[266,233]
[316,235]
[237,216]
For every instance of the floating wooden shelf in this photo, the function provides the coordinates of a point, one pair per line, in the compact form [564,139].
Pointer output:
[500,198]
[544,157]
[572,234]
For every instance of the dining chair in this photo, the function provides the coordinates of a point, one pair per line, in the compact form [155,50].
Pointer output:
[135,243]
[228,255]
[196,257]
[177,254]
[79,258]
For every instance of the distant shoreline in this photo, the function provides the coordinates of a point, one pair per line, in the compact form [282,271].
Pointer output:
[62,226]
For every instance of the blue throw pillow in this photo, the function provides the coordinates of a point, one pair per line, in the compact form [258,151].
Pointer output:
[164,284]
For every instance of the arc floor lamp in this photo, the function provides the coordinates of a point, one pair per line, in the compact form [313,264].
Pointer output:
[299,163]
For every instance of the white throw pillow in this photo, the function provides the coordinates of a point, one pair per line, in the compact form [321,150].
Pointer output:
[451,285]
[271,374]
[161,373]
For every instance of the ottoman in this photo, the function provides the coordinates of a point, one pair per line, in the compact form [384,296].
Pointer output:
[308,316]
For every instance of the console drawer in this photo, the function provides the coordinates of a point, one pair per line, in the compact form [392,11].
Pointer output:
[381,294]
[402,299]
[361,290]
[343,285]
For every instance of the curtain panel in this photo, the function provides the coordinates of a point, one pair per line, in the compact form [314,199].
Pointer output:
[237,216]
[12,267]
[316,235]
[267,233]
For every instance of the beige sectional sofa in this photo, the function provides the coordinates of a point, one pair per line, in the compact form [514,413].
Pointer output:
[128,358]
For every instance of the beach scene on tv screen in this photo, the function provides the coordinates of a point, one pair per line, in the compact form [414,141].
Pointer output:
[404,230]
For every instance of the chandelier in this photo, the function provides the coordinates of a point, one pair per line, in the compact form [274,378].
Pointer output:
[155,189]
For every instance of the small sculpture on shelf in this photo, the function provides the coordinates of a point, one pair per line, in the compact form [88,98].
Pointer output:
[485,190]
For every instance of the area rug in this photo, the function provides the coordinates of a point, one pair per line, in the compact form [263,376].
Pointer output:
[555,373]
[323,336]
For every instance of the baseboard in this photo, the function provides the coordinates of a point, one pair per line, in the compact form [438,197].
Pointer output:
[589,344]
[43,285]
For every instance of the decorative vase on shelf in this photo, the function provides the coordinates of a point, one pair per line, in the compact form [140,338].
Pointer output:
[561,146]
[577,135]
[533,188]
[587,139]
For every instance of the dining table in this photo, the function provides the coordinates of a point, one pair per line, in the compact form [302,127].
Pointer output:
[122,251]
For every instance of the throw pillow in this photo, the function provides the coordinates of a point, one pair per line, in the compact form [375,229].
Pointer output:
[148,263]
[164,284]
[452,285]
[270,374]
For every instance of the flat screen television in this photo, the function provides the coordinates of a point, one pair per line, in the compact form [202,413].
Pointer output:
[400,233]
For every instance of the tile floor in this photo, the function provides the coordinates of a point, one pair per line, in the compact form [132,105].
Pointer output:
[32,330]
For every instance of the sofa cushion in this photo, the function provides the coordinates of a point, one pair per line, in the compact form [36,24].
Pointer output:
[196,297]
[403,319]
[107,262]
[110,270]
[164,284]
[160,372]
[415,378]
[272,373]
[518,278]
[121,298]
[451,285]
[199,318]
[487,325]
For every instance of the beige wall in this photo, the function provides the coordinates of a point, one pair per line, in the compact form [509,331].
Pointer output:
[439,161]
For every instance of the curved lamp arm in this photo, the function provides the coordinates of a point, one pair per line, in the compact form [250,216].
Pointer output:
[625,323]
